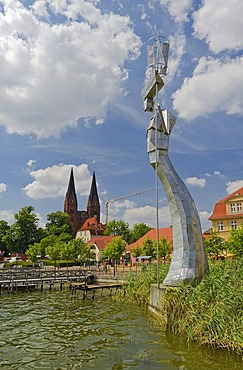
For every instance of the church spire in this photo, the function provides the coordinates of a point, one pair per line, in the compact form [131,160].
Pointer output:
[71,187]
[71,204]
[93,206]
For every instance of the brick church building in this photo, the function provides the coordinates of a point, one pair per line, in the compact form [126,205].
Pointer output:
[78,218]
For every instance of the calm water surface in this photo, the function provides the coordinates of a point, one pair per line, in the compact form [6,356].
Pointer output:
[54,330]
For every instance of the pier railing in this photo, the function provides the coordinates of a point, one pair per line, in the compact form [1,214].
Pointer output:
[10,278]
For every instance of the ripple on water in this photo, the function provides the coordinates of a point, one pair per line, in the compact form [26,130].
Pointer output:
[52,330]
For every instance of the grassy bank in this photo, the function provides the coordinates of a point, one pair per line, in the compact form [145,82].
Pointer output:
[211,313]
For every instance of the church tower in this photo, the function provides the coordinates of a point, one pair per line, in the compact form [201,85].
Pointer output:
[71,204]
[93,205]
[77,218]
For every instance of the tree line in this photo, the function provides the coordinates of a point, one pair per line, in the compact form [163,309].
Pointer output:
[56,240]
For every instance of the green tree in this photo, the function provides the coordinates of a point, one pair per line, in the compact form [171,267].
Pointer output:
[44,243]
[54,252]
[68,251]
[115,249]
[138,231]
[33,252]
[4,227]
[84,252]
[215,245]
[23,232]
[164,248]
[118,228]
[149,248]
[58,223]
[235,241]
[56,246]
[136,251]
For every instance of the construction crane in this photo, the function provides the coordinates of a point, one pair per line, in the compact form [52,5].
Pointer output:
[119,198]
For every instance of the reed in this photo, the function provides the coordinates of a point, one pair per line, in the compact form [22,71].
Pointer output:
[138,284]
[210,313]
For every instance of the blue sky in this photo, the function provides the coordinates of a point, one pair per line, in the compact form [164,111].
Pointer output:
[71,77]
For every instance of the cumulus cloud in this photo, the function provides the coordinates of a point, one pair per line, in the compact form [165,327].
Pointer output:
[220,24]
[215,86]
[195,181]
[7,215]
[147,215]
[206,224]
[233,186]
[3,187]
[178,9]
[116,208]
[55,74]
[52,182]
[177,47]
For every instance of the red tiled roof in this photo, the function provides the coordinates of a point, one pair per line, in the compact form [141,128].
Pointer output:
[101,241]
[219,211]
[92,223]
[163,233]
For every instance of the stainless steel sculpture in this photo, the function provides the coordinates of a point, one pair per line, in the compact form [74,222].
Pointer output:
[189,262]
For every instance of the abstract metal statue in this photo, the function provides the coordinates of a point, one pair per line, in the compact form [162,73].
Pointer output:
[189,262]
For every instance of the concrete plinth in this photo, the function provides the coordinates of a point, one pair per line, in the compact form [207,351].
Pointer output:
[156,296]
[156,301]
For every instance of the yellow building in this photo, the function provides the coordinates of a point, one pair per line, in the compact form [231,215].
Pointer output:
[228,214]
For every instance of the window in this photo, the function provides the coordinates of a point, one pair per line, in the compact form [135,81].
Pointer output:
[220,226]
[239,208]
[234,224]
[232,207]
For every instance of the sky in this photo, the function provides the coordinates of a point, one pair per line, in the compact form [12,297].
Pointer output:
[71,75]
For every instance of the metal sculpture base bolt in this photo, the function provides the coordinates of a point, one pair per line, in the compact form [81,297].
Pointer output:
[189,263]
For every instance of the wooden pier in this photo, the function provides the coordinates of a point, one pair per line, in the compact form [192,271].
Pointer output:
[13,280]
[105,289]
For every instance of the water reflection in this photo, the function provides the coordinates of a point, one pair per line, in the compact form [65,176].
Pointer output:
[55,331]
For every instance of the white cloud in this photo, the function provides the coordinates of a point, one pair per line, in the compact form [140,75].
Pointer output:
[195,181]
[206,224]
[52,182]
[178,9]
[3,187]
[116,208]
[31,163]
[215,173]
[177,47]
[40,9]
[147,215]
[220,24]
[7,215]
[215,86]
[55,74]
[233,186]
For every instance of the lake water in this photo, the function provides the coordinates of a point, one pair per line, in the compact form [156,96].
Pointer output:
[57,330]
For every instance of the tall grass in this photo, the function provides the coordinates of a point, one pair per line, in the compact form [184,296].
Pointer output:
[138,284]
[210,313]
